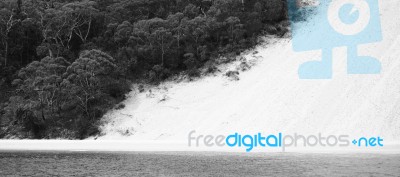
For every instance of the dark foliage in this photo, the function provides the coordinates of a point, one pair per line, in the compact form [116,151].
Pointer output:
[63,63]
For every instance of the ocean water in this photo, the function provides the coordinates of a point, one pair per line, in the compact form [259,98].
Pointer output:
[195,164]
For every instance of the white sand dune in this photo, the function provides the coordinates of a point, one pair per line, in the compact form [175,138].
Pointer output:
[269,98]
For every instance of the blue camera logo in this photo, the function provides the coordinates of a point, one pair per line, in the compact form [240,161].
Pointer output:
[336,23]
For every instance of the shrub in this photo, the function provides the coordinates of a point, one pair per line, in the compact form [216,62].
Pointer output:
[53,92]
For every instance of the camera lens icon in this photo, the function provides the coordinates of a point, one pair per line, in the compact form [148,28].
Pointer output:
[336,23]
[349,17]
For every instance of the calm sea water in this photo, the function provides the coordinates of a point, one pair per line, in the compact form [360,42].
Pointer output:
[195,164]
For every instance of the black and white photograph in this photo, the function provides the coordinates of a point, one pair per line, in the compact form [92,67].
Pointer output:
[199,88]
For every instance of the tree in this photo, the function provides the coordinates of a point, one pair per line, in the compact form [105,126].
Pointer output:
[59,24]
[177,29]
[232,23]
[162,38]
[235,29]
[197,29]
[7,22]
[55,94]
[42,83]
[123,33]
[87,76]
[191,11]
[54,26]
[80,15]
[127,59]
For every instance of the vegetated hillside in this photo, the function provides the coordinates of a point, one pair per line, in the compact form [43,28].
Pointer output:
[64,63]
[270,97]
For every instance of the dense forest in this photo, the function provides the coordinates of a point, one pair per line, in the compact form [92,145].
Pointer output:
[64,63]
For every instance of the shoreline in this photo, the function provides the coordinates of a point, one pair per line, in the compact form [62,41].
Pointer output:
[175,146]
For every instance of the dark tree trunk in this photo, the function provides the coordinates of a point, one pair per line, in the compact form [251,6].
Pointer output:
[6,54]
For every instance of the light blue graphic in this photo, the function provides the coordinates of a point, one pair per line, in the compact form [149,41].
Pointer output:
[368,142]
[280,140]
[336,23]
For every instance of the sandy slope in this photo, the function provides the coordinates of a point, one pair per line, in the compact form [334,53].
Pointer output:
[271,98]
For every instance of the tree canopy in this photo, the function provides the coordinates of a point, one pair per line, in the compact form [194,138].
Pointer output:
[63,63]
